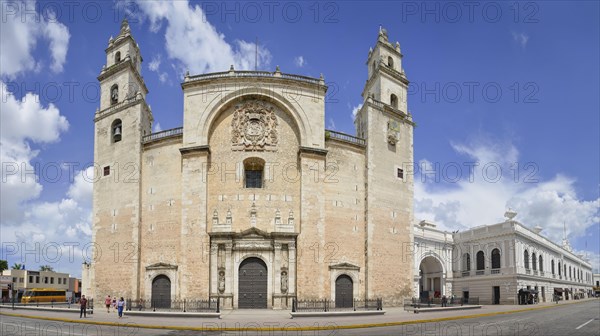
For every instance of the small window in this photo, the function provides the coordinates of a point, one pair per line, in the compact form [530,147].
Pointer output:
[253,172]
[106,170]
[59,280]
[37,279]
[390,62]
[394,101]
[31,278]
[52,280]
[118,57]
[400,173]
[117,130]
[114,94]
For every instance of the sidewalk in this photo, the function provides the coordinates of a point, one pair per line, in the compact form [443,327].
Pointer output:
[235,320]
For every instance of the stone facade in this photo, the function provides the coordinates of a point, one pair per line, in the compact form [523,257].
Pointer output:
[252,190]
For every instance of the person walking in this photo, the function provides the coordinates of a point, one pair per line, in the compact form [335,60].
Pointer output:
[120,306]
[444,301]
[107,302]
[83,307]
[114,302]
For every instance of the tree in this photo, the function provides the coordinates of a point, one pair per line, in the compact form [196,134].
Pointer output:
[46,268]
[17,266]
[3,265]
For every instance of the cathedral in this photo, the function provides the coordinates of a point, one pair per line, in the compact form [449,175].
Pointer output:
[252,201]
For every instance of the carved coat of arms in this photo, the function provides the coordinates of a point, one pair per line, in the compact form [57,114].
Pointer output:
[254,127]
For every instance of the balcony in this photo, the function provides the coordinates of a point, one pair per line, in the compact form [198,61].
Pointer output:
[329,134]
[480,272]
[466,273]
[527,271]
[495,271]
[535,272]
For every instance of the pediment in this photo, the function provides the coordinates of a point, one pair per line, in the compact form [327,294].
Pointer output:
[161,266]
[253,232]
[345,266]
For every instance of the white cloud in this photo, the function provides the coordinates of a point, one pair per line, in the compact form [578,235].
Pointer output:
[299,61]
[195,43]
[154,64]
[23,122]
[480,198]
[521,39]
[331,124]
[50,228]
[355,110]
[21,36]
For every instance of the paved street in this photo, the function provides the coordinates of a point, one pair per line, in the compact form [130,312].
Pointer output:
[565,319]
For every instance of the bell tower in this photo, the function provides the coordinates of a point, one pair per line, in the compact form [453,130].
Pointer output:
[387,126]
[120,123]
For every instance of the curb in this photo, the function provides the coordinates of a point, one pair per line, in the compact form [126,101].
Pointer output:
[308,328]
[338,313]
[441,309]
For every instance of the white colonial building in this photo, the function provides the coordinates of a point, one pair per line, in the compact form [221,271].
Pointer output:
[497,263]
[433,261]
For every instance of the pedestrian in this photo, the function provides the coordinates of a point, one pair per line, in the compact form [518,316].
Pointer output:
[120,306]
[444,301]
[107,302]
[114,302]
[82,306]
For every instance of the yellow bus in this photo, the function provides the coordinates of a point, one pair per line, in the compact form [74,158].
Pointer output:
[44,295]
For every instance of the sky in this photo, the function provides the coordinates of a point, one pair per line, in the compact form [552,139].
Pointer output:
[504,94]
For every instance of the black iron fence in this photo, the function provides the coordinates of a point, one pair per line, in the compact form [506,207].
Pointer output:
[439,302]
[183,305]
[325,305]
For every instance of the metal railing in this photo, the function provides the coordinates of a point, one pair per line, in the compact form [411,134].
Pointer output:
[329,134]
[466,273]
[437,302]
[162,134]
[182,305]
[495,271]
[480,272]
[324,305]
[243,74]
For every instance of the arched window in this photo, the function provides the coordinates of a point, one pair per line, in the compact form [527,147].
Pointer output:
[565,269]
[117,57]
[114,94]
[253,172]
[541,263]
[526,259]
[552,266]
[480,261]
[116,130]
[533,261]
[394,101]
[559,269]
[466,262]
[390,62]
[495,258]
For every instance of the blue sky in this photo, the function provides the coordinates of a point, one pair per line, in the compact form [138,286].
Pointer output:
[509,85]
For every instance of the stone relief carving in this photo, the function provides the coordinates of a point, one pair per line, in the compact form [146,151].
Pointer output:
[254,127]
[284,282]
[221,281]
